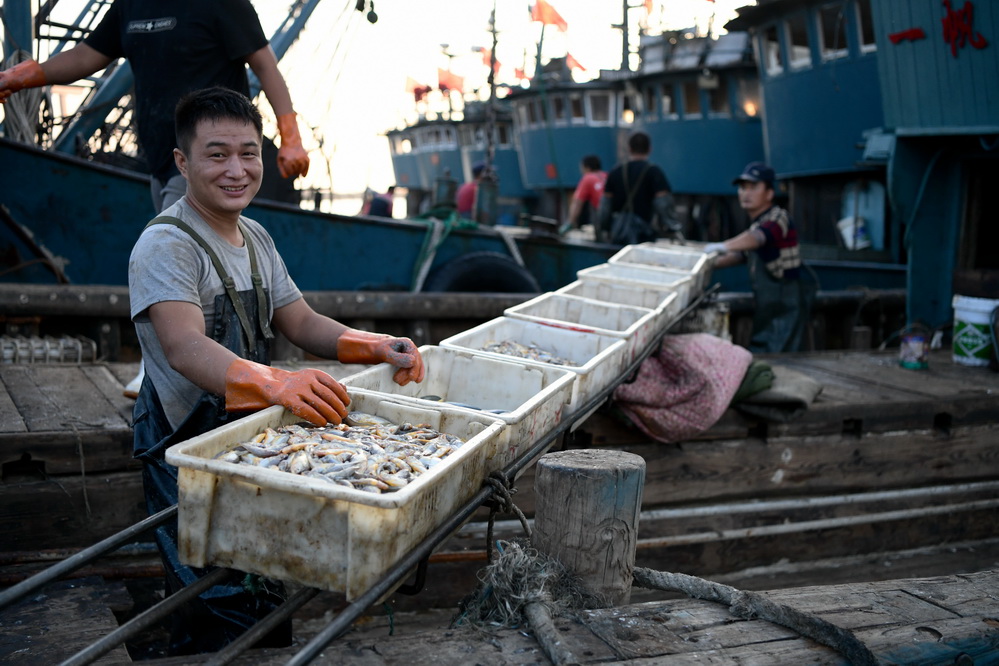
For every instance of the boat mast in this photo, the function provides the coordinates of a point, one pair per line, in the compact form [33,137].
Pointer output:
[491,107]
[625,49]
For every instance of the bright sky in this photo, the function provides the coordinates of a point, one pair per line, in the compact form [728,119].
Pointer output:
[348,77]
[364,93]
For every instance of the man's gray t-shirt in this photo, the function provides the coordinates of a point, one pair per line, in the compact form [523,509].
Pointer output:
[166,264]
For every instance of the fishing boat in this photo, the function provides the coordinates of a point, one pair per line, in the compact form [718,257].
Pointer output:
[890,473]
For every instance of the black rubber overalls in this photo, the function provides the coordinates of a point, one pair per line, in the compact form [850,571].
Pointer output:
[223,612]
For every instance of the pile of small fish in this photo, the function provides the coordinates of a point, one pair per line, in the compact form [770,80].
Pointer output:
[531,352]
[365,452]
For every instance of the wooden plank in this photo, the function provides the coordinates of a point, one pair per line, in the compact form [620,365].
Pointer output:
[54,398]
[936,381]
[110,388]
[723,470]
[886,616]
[10,418]
[69,511]
[87,452]
[56,624]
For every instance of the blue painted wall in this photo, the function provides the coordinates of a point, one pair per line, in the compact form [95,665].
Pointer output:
[564,147]
[927,88]
[702,156]
[814,118]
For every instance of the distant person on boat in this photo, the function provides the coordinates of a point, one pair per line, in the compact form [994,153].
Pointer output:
[770,245]
[635,193]
[380,205]
[589,191]
[208,293]
[217,41]
[465,197]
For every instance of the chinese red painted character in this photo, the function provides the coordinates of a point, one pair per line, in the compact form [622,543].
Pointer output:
[958,30]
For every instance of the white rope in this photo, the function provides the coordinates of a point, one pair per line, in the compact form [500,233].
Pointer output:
[21,109]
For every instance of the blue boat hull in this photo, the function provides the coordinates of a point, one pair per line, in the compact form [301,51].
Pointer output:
[87,217]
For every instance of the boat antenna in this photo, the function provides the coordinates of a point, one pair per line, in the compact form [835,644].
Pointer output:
[491,107]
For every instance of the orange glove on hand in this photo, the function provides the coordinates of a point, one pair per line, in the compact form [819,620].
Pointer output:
[308,394]
[27,74]
[292,158]
[361,347]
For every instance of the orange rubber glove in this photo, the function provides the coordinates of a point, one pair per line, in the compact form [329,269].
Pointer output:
[292,158]
[27,74]
[362,347]
[308,394]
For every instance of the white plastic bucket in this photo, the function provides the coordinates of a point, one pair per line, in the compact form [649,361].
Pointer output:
[854,232]
[973,330]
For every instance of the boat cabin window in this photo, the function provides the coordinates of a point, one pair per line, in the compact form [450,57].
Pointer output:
[799,54]
[691,99]
[467,136]
[770,48]
[749,97]
[502,135]
[667,101]
[865,23]
[651,95]
[559,110]
[576,108]
[538,108]
[532,113]
[628,106]
[832,31]
[600,107]
[717,88]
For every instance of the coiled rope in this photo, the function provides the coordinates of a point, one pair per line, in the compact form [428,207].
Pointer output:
[21,109]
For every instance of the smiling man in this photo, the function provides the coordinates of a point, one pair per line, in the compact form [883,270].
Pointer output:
[208,290]
[770,245]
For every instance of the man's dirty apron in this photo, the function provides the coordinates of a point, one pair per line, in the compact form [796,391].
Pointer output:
[779,309]
[223,612]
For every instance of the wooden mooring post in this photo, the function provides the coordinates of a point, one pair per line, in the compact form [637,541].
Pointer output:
[588,502]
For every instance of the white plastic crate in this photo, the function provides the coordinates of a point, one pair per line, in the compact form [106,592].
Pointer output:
[598,358]
[634,324]
[296,528]
[635,275]
[529,399]
[664,302]
[697,264]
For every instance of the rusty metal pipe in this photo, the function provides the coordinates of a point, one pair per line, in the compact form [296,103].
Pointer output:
[84,557]
[146,619]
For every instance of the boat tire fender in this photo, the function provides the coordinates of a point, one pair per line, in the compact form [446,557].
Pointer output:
[482,272]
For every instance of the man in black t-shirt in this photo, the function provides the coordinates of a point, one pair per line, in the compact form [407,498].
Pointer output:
[640,188]
[174,48]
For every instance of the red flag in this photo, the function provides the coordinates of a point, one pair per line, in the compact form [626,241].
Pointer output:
[487,57]
[448,81]
[572,63]
[544,12]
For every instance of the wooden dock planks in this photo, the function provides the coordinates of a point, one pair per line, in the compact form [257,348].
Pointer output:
[923,620]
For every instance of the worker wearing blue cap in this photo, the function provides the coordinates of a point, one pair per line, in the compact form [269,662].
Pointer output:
[770,245]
